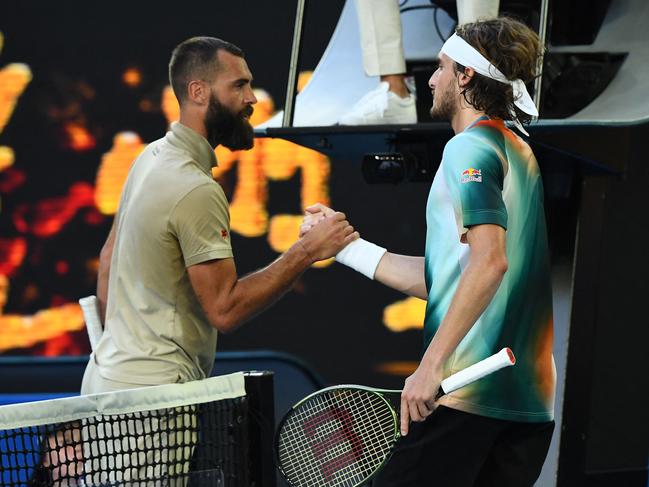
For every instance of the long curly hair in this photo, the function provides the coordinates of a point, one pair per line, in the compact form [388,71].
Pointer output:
[515,50]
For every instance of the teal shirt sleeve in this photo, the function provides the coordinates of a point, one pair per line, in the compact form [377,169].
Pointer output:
[474,175]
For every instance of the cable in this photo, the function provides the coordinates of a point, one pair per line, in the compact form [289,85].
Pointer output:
[435,19]
[417,7]
[439,32]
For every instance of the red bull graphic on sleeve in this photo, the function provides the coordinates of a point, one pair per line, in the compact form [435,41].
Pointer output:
[471,175]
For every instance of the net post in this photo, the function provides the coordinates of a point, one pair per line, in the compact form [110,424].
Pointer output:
[261,424]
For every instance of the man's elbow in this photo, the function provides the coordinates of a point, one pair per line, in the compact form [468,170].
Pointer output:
[492,264]
[500,265]
[224,322]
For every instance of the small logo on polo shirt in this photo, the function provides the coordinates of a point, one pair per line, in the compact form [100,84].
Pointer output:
[224,233]
[471,175]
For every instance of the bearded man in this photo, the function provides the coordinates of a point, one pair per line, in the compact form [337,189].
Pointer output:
[167,280]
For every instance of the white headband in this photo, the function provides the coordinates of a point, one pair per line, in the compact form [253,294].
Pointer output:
[465,54]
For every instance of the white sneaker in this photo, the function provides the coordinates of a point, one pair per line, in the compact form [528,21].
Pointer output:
[381,106]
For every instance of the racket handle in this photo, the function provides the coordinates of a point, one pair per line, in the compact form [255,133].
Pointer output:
[90,309]
[504,358]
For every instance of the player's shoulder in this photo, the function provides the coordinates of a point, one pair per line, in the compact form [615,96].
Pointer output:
[202,198]
[202,190]
[490,132]
[475,142]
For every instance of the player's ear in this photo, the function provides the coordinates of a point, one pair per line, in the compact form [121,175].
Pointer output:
[465,77]
[198,92]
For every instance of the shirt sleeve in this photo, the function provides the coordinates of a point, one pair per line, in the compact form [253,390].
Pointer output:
[474,175]
[201,223]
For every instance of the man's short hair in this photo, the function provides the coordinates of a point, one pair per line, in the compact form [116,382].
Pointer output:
[196,58]
[515,50]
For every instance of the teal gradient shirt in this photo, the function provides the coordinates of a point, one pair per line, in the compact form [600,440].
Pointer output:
[488,175]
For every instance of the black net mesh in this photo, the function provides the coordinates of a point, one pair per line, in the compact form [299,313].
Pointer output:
[201,444]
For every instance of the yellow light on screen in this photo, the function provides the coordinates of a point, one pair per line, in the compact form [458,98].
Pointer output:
[13,251]
[14,78]
[113,171]
[263,109]
[248,207]
[315,176]
[17,331]
[79,138]
[401,369]
[278,161]
[284,231]
[6,157]
[4,292]
[170,106]
[405,315]
[132,77]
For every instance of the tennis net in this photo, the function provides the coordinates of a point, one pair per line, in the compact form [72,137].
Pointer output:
[172,435]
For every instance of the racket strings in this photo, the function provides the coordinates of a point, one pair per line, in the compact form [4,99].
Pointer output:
[336,439]
[332,465]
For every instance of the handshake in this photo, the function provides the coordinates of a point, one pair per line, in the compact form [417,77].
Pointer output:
[326,233]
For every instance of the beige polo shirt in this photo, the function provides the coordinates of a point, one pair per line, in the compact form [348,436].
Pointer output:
[172,215]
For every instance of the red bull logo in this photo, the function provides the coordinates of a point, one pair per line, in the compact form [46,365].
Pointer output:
[471,175]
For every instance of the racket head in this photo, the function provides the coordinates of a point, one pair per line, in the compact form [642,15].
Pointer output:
[340,436]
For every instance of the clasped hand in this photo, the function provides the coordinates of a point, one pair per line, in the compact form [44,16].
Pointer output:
[325,232]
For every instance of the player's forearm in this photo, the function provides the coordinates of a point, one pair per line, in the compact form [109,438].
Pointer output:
[477,287]
[255,292]
[400,272]
[403,273]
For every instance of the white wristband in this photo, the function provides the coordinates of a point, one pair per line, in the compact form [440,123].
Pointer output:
[362,256]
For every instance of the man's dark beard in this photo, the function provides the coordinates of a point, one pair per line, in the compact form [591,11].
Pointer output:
[444,111]
[227,128]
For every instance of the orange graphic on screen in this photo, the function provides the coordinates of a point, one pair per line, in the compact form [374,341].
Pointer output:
[401,316]
[398,368]
[14,78]
[47,218]
[113,170]
[12,254]
[405,315]
[23,331]
[132,77]
[79,137]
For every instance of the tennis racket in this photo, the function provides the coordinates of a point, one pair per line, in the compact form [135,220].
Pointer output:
[342,436]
